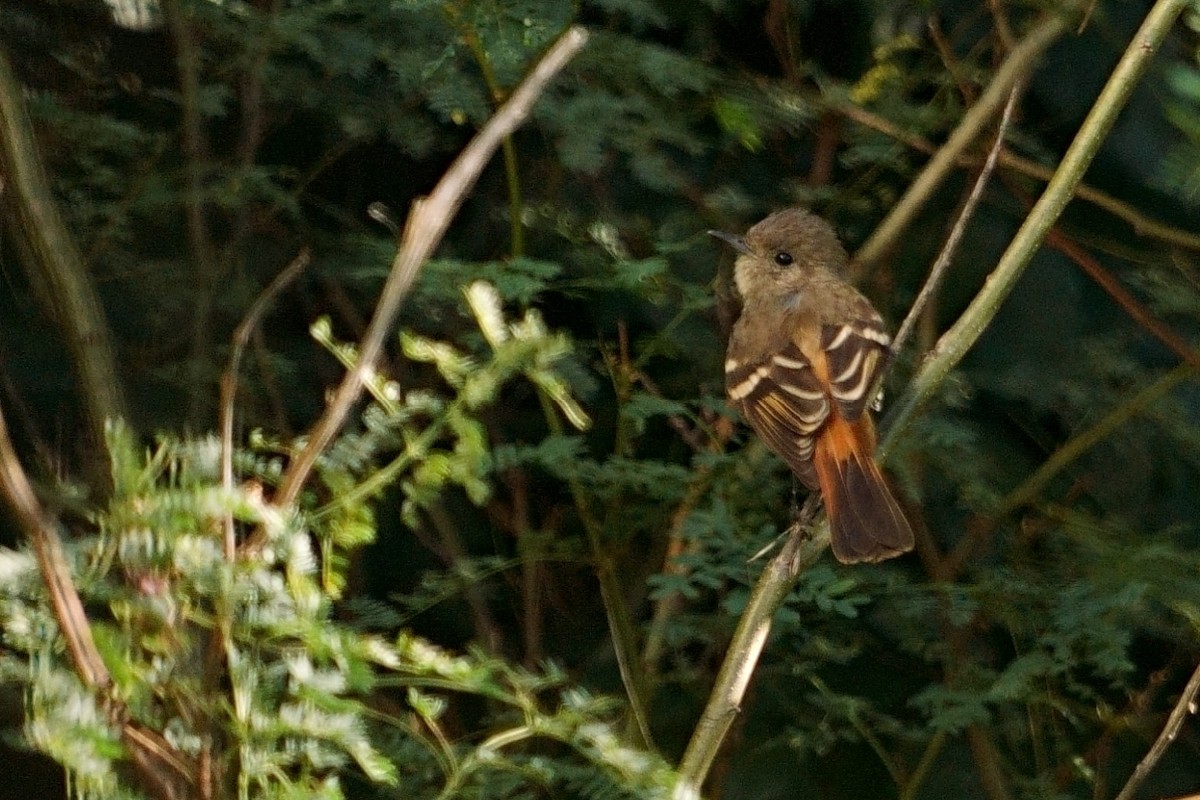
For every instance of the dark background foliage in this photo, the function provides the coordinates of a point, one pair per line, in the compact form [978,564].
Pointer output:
[1031,647]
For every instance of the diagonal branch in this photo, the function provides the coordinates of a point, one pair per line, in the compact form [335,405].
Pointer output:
[427,223]
[955,343]
[938,271]
[781,573]
[1085,440]
[1142,225]
[1183,707]
[749,639]
[39,527]
[1014,69]
[162,770]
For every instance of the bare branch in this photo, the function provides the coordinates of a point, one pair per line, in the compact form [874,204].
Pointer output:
[955,343]
[229,380]
[1014,69]
[938,271]
[39,527]
[804,546]
[165,773]
[426,225]
[1183,707]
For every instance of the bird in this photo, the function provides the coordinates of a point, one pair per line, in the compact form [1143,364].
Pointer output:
[801,365]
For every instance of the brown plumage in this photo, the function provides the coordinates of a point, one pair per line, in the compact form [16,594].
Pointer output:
[801,362]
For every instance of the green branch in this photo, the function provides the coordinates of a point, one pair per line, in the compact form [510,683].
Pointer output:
[781,574]
[1015,69]
[955,343]
[754,626]
[427,223]
[1032,486]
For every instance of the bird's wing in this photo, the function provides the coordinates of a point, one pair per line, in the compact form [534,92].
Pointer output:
[788,394]
[853,353]
[784,402]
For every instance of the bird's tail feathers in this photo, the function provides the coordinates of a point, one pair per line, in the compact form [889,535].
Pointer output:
[865,521]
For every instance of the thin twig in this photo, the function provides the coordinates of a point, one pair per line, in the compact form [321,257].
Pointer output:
[938,271]
[1014,69]
[912,786]
[512,175]
[950,61]
[1124,298]
[1142,225]
[955,343]
[1183,707]
[454,554]
[221,643]
[1099,755]
[426,225]
[1002,28]
[229,380]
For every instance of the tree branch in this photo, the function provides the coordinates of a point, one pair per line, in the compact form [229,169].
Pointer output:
[1141,224]
[780,575]
[1183,707]
[160,768]
[426,225]
[51,257]
[39,527]
[938,270]
[1014,69]
[963,334]
[803,547]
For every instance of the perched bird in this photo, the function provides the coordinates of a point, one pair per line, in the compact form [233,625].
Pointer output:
[801,363]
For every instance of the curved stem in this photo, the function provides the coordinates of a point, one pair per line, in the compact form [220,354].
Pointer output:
[1015,68]
[229,380]
[954,344]
[427,223]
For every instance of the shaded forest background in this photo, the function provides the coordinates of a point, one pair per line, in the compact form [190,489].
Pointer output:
[1031,647]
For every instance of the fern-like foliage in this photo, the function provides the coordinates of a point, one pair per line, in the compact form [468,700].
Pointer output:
[240,663]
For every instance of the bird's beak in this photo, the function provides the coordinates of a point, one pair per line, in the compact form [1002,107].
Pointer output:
[733,240]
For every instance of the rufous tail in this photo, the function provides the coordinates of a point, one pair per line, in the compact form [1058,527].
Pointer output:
[865,521]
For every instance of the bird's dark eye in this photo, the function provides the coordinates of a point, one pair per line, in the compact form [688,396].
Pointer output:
[783,258]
